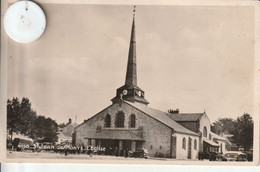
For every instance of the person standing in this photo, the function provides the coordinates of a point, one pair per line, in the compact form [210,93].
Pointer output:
[65,150]
[89,151]
[116,151]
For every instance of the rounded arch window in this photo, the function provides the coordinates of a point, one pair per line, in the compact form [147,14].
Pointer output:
[205,132]
[132,121]
[120,119]
[108,121]
[184,143]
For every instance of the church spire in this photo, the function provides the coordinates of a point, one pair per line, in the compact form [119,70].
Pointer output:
[131,76]
[130,91]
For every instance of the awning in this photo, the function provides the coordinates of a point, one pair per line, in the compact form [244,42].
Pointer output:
[115,135]
[211,143]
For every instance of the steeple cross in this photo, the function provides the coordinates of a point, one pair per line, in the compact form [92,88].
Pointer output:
[134,11]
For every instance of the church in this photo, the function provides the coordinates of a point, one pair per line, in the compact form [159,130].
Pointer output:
[129,123]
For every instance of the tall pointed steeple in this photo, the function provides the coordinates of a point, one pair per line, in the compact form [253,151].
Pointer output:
[131,76]
[130,91]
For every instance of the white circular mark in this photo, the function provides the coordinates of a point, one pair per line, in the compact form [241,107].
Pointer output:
[24,21]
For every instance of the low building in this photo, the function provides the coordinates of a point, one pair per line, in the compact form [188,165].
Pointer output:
[199,123]
[65,133]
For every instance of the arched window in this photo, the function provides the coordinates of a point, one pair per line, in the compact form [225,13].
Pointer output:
[120,119]
[108,121]
[205,134]
[132,121]
[184,143]
[195,144]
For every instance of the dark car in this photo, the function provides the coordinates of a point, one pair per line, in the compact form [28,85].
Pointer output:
[139,153]
[221,157]
[213,156]
[242,157]
[249,157]
[216,156]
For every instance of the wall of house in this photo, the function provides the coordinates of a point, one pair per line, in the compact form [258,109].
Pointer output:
[222,145]
[183,153]
[69,129]
[204,122]
[157,136]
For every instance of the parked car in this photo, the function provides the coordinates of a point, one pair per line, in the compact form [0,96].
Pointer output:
[216,156]
[205,155]
[249,156]
[139,153]
[242,157]
[221,157]
[21,144]
[235,156]
[213,156]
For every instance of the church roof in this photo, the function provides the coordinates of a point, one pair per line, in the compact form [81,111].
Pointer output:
[163,118]
[180,117]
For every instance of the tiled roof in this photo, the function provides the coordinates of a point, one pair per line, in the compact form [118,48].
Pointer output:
[179,117]
[211,142]
[115,134]
[163,118]
[217,137]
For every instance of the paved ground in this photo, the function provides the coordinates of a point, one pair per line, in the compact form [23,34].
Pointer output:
[83,158]
[47,155]
[57,156]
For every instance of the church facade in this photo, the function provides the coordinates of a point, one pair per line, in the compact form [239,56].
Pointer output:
[130,124]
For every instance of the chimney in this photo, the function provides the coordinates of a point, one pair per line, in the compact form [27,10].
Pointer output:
[176,111]
[70,121]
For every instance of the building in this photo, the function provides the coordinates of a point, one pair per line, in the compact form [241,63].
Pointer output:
[65,133]
[199,123]
[129,123]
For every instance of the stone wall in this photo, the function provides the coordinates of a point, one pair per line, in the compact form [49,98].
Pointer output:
[157,136]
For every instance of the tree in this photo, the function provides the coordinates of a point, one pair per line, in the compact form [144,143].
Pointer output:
[27,117]
[22,119]
[20,116]
[45,129]
[223,125]
[243,131]
[13,108]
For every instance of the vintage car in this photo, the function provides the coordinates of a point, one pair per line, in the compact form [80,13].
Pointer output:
[213,156]
[216,156]
[249,156]
[235,156]
[22,144]
[139,153]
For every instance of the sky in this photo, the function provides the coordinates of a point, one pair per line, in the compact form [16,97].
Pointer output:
[191,58]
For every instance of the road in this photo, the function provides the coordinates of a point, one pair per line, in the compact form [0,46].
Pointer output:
[48,155]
